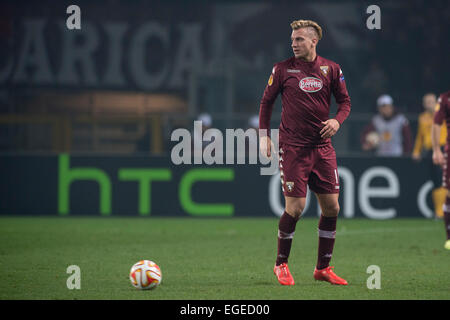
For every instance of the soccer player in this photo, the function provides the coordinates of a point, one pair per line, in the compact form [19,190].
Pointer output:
[423,150]
[392,128]
[306,156]
[443,113]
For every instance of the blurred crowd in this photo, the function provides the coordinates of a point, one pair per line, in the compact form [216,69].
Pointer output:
[387,72]
[410,53]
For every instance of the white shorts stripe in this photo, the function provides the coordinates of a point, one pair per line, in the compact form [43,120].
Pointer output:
[327,234]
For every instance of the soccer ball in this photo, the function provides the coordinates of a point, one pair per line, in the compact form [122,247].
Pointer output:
[145,275]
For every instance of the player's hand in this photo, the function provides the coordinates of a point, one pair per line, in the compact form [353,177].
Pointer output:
[438,158]
[416,157]
[367,146]
[331,126]
[265,146]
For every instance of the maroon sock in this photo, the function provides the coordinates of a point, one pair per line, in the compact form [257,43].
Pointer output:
[327,234]
[447,224]
[447,217]
[286,230]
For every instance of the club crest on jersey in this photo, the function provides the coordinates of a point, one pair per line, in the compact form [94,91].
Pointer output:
[270,80]
[324,70]
[290,186]
[310,84]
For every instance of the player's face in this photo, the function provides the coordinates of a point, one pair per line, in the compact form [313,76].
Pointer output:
[386,110]
[303,43]
[429,102]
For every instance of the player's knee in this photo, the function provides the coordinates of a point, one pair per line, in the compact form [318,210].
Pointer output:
[295,210]
[331,210]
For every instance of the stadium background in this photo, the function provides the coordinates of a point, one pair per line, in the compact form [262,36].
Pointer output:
[107,97]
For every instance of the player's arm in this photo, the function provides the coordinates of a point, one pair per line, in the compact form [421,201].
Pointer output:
[339,90]
[439,116]
[271,92]
[438,157]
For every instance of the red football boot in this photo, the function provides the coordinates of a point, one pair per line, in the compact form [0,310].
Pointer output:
[283,275]
[327,274]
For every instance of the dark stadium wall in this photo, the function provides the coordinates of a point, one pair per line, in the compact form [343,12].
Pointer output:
[154,45]
[74,185]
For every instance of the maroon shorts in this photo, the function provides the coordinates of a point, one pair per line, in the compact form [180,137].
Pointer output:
[302,166]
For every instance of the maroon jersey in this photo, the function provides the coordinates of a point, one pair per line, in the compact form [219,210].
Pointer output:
[306,89]
[443,112]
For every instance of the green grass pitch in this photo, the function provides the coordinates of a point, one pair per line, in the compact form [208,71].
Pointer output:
[224,259]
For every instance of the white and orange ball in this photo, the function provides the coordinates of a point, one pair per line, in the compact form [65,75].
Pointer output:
[145,275]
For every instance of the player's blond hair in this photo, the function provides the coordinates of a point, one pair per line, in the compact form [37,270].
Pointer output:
[297,24]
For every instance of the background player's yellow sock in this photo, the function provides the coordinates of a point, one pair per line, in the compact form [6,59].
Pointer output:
[439,196]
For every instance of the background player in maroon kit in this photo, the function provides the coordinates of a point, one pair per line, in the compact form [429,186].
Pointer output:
[306,156]
[443,113]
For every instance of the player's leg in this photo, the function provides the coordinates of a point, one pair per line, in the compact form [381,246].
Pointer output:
[286,227]
[286,231]
[447,220]
[293,174]
[324,181]
[329,205]
[439,193]
[446,184]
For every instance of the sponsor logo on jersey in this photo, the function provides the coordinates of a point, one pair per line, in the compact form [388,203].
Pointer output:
[324,70]
[293,71]
[310,84]
[270,80]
